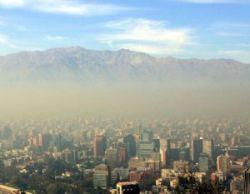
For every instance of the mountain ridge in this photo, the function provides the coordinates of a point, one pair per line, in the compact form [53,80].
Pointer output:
[120,50]
[83,65]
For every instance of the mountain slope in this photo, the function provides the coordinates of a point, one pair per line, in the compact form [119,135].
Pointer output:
[81,65]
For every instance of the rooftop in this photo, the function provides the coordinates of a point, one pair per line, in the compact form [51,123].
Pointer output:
[127,183]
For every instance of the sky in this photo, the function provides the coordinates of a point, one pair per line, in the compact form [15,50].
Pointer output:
[179,28]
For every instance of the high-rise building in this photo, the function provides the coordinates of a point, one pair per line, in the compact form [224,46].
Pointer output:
[99,146]
[184,154]
[223,164]
[101,177]
[45,140]
[165,151]
[145,145]
[208,147]
[122,153]
[156,142]
[130,143]
[146,135]
[127,188]
[40,140]
[58,142]
[196,149]
[145,149]
[247,181]
[111,156]
[203,162]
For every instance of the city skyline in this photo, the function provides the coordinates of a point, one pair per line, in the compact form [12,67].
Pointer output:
[125,156]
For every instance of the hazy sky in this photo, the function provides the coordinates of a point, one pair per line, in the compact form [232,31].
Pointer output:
[181,28]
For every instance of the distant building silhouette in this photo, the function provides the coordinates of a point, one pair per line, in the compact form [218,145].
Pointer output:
[196,149]
[247,181]
[99,146]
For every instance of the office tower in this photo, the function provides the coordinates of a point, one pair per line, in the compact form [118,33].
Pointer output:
[127,188]
[165,151]
[223,164]
[122,153]
[59,142]
[156,144]
[43,141]
[146,135]
[32,141]
[40,140]
[130,143]
[208,147]
[203,162]
[111,156]
[145,149]
[247,181]
[196,149]
[145,145]
[184,154]
[114,177]
[101,177]
[174,155]
[99,146]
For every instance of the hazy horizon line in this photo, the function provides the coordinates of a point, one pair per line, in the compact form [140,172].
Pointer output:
[121,49]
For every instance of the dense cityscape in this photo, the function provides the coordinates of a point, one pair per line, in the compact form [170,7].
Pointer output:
[125,156]
[124,96]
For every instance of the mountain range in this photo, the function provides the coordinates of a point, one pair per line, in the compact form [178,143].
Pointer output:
[76,64]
